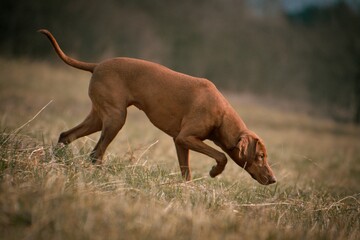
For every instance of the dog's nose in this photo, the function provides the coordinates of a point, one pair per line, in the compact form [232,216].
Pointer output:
[272,180]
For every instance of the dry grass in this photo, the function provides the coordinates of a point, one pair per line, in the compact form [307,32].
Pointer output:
[138,193]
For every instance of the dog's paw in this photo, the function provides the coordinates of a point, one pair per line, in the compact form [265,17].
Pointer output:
[214,171]
[95,159]
[61,153]
[60,150]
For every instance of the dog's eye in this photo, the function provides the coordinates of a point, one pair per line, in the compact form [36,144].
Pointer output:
[261,157]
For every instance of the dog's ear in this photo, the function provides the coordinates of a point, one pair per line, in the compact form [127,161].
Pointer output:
[243,146]
[248,146]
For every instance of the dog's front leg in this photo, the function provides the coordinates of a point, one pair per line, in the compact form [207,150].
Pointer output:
[183,157]
[195,144]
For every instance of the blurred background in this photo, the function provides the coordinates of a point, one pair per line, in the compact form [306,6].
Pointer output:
[303,51]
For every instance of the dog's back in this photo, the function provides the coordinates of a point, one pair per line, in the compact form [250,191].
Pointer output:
[166,96]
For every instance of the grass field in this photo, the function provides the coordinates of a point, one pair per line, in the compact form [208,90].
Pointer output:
[138,192]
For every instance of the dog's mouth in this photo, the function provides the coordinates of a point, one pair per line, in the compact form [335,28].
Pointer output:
[263,180]
[253,176]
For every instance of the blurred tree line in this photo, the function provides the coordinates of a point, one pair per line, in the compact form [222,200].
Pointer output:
[312,55]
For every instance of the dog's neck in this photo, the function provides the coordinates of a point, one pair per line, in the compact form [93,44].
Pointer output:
[229,132]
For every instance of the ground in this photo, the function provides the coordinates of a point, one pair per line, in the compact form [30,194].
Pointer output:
[50,193]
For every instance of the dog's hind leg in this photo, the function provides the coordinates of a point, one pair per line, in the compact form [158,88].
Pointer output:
[183,157]
[112,122]
[91,124]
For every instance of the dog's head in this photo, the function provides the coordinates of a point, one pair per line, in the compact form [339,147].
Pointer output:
[250,154]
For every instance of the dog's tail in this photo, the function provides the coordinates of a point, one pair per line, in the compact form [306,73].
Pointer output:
[68,60]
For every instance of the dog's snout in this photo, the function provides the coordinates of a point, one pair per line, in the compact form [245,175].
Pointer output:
[272,180]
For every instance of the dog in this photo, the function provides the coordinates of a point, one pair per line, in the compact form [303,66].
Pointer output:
[189,109]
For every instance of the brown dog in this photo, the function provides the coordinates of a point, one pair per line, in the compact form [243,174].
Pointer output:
[189,109]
